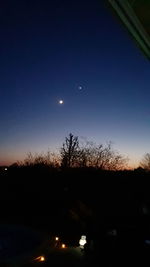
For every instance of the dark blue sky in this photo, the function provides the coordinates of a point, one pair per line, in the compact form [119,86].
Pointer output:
[50,48]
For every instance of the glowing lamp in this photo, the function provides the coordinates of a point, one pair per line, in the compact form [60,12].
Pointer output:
[56,238]
[82,241]
[40,258]
[63,246]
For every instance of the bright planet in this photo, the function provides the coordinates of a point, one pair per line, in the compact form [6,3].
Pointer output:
[61,102]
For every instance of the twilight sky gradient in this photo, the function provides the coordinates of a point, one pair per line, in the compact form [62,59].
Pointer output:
[50,48]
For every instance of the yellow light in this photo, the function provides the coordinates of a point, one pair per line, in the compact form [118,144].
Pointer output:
[56,238]
[42,258]
[63,246]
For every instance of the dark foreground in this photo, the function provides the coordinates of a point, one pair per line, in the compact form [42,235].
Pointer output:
[76,202]
[111,251]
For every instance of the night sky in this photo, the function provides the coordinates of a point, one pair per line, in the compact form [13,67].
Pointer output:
[78,52]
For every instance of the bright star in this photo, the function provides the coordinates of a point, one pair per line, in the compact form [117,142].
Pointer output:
[61,101]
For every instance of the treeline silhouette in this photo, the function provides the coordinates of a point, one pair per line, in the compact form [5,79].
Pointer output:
[76,154]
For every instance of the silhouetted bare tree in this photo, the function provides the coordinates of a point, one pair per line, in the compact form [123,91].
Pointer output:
[47,159]
[90,155]
[70,151]
[100,156]
[145,162]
